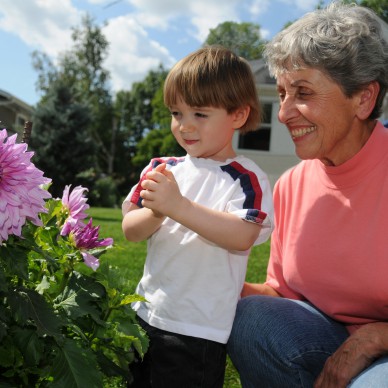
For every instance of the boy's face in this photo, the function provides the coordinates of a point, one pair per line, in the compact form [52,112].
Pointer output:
[204,132]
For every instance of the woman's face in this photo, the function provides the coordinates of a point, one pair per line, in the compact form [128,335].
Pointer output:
[322,121]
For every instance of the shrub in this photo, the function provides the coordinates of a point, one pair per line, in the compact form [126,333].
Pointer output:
[63,321]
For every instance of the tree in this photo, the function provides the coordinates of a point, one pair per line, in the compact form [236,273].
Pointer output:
[61,137]
[379,6]
[244,39]
[135,118]
[83,67]
[81,74]
[160,141]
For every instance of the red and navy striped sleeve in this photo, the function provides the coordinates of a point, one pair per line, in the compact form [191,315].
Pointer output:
[251,188]
[136,198]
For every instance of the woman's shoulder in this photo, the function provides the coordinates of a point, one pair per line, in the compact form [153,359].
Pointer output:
[299,169]
[297,173]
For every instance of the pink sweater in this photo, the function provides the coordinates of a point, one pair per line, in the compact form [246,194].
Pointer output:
[330,243]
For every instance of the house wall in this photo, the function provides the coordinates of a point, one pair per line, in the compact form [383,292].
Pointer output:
[13,113]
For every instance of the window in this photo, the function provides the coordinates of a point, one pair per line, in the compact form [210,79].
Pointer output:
[260,139]
[20,121]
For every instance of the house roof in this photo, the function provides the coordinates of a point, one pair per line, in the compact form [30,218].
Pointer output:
[260,71]
[11,101]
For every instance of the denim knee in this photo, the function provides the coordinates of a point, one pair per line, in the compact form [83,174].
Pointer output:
[375,376]
[281,342]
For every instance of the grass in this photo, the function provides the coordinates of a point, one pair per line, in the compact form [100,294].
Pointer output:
[129,257]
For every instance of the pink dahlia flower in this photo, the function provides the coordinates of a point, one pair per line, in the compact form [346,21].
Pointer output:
[21,195]
[85,237]
[75,206]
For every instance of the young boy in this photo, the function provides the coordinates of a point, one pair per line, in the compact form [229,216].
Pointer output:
[201,214]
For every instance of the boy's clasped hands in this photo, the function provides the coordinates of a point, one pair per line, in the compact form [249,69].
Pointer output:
[160,192]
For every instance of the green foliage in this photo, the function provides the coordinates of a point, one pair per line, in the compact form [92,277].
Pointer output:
[161,116]
[61,137]
[244,39]
[104,192]
[61,323]
[159,142]
[379,6]
[135,113]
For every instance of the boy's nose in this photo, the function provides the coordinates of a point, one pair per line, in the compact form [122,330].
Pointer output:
[186,126]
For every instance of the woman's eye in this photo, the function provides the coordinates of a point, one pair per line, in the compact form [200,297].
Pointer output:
[303,93]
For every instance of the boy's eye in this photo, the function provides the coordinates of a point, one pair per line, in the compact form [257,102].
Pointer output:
[200,115]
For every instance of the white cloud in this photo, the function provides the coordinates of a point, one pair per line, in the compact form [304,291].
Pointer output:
[103,1]
[41,24]
[212,16]
[258,7]
[304,5]
[165,8]
[131,52]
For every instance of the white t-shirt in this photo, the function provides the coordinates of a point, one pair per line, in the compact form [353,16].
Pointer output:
[192,285]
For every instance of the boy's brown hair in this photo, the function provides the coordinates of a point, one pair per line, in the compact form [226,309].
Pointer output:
[214,76]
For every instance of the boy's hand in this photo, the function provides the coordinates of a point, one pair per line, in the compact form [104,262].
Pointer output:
[160,191]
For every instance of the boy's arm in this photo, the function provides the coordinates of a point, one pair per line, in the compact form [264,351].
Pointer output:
[224,229]
[140,223]
[161,194]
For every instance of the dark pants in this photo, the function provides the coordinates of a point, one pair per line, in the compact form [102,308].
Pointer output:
[179,361]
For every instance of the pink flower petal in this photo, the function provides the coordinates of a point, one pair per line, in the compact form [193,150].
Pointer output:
[21,194]
[90,260]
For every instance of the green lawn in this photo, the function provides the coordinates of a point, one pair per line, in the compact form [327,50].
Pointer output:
[129,257]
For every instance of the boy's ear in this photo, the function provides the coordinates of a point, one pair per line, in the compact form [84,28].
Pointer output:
[241,115]
[367,100]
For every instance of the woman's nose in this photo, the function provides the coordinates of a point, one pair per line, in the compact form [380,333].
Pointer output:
[287,109]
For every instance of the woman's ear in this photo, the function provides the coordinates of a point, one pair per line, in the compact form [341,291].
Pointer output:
[240,116]
[367,100]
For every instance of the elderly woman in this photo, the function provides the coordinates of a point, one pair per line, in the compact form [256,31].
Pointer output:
[321,317]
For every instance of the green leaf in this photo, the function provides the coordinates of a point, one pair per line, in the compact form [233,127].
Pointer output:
[140,340]
[75,367]
[28,304]
[80,296]
[30,345]
[3,330]
[43,285]
[3,280]
[7,353]
[15,260]
[111,369]
[132,298]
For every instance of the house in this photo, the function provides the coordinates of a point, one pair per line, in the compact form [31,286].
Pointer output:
[271,147]
[13,113]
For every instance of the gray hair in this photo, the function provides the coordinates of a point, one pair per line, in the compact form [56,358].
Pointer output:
[347,42]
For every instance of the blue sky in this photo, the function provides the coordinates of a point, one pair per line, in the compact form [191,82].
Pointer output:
[141,33]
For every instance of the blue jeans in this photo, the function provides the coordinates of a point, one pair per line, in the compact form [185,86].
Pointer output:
[278,342]
[179,361]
